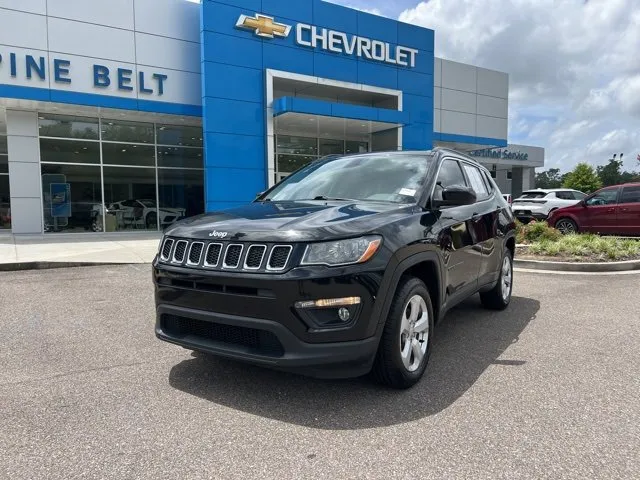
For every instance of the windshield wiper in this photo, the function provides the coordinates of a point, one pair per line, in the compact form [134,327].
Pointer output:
[323,197]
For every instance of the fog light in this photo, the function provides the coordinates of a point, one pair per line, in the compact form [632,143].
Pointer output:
[328,302]
[344,314]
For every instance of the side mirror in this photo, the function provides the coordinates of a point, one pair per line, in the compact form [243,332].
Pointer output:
[457,195]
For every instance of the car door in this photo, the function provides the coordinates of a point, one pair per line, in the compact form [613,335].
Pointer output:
[462,254]
[599,214]
[484,224]
[628,214]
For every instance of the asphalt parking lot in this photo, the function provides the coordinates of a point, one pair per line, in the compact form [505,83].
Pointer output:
[548,389]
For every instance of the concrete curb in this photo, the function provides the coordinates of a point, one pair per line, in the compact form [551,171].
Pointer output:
[578,266]
[21,266]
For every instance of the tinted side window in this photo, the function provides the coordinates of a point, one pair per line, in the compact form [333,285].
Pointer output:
[475,177]
[630,195]
[579,196]
[450,174]
[605,197]
[565,195]
[487,182]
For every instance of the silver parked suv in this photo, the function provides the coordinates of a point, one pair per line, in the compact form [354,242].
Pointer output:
[537,204]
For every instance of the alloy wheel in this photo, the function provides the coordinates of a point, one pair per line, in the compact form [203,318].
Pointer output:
[507,278]
[566,226]
[414,333]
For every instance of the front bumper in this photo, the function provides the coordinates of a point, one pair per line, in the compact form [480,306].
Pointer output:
[265,343]
[252,318]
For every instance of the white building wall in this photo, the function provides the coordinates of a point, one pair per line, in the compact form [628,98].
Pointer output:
[24,171]
[470,101]
[149,36]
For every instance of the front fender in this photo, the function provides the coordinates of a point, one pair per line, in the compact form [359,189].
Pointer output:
[398,266]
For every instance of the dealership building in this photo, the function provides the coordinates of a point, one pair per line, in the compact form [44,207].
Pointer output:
[130,114]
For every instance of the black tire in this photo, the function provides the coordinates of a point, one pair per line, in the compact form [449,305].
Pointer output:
[495,299]
[151,221]
[389,368]
[566,226]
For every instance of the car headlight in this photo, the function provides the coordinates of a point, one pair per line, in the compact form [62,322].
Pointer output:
[341,252]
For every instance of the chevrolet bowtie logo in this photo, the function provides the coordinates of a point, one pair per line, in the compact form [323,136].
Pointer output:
[263,26]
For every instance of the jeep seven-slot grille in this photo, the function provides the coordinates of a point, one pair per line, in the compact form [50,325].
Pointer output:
[180,250]
[248,257]
[279,256]
[213,254]
[232,256]
[166,249]
[254,256]
[195,253]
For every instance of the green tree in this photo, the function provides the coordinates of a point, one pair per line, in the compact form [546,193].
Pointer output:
[610,174]
[583,178]
[549,179]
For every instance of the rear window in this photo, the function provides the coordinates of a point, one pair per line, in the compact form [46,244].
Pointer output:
[534,195]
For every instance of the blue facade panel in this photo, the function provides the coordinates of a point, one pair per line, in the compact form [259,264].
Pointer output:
[225,49]
[415,83]
[370,73]
[278,57]
[377,27]
[374,51]
[417,107]
[296,10]
[330,15]
[238,83]
[413,136]
[336,67]
[233,116]
[340,110]
[231,150]
[227,184]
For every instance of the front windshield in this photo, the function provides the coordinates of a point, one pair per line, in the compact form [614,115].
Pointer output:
[382,177]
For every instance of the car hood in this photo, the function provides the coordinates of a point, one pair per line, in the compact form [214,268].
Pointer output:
[568,209]
[290,221]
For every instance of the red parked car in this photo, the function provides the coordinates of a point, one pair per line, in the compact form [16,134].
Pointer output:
[611,210]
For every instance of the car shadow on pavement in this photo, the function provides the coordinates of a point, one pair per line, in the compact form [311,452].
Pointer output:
[466,343]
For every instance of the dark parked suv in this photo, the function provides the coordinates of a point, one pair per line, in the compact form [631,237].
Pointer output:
[341,269]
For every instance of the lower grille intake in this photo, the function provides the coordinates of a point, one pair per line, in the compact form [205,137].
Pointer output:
[257,341]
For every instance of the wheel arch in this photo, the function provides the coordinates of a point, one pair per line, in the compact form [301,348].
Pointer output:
[425,266]
[564,215]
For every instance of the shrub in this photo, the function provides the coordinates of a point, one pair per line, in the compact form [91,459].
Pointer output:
[535,232]
[588,245]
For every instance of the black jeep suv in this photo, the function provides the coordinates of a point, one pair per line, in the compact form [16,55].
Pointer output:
[341,269]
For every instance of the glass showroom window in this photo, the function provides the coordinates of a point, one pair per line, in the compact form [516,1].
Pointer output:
[293,152]
[129,166]
[5,198]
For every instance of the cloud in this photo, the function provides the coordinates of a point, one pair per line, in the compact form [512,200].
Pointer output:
[573,64]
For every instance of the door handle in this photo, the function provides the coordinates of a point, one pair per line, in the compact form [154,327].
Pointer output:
[611,210]
[625,209]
